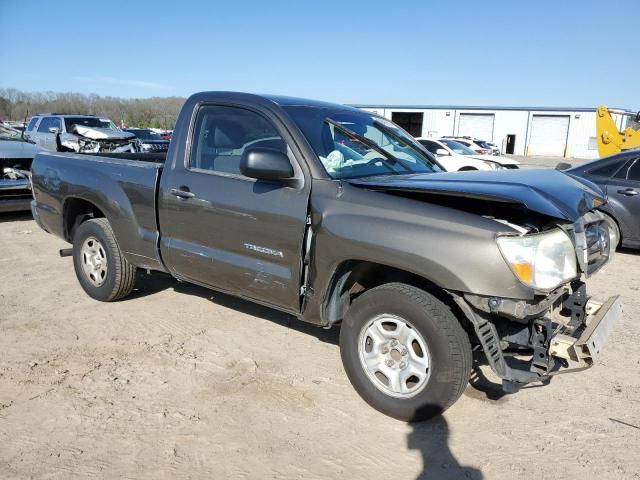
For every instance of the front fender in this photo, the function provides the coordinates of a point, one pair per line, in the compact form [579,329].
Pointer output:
[452,249]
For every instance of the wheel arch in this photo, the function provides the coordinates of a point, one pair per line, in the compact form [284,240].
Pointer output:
[75,211]
[353,277]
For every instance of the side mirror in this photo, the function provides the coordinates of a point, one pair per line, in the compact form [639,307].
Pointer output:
[563,166]
[442,152]
[265,164]
[54,130]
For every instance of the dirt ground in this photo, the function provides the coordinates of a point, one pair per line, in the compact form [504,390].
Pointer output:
[180,382]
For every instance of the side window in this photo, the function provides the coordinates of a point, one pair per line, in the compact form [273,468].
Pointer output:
[222,134]
[634,171]
[606,170]
[630,171]
[47,123]
[56,123]
[431,146]
[32,123]
[44,124]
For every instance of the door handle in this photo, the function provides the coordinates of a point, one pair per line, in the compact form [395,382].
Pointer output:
[629,192]
[184,194]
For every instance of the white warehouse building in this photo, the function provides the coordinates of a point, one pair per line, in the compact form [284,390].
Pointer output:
[562,132]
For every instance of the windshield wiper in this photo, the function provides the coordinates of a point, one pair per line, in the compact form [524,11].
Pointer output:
[369,143]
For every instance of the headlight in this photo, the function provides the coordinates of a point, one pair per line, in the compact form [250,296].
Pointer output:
[493,165]
[543,260]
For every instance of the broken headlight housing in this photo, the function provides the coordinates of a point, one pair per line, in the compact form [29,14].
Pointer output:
[542,260]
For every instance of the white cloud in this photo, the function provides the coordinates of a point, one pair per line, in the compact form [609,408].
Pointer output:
[122,81]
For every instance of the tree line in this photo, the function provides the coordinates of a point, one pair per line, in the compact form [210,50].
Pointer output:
[154,112]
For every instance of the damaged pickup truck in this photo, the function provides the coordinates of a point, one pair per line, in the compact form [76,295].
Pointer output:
[79,133]
[339,217]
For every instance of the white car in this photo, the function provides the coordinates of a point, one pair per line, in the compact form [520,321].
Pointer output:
[479,146]
[455,156]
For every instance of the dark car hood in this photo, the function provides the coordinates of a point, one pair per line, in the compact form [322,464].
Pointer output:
[17,149]
[545,191]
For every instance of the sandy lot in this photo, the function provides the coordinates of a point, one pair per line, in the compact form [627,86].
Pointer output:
[180,382]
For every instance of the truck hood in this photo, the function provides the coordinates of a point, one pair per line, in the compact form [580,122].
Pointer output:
[96,133]
[544,191]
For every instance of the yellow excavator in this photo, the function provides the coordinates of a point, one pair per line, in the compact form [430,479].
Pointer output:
[610,139]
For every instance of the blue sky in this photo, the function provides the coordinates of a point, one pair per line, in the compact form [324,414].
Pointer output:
[538,53]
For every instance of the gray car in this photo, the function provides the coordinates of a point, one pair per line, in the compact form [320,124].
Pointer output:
[619,176]
[79,133]
[16,155]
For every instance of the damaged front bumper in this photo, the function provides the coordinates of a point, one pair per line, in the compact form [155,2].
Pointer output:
[562,333]
[581,352]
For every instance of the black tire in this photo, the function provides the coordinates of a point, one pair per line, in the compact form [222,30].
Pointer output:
[120,274]
[447,343]
[613,225]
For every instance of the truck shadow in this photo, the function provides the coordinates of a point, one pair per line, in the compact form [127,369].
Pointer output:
[480,386]
[15,217]
[628,251]
[152,284]
[431,439]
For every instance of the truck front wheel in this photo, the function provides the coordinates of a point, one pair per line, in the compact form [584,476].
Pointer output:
[405,352]
[102,270]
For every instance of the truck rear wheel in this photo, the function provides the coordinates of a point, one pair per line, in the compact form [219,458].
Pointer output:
[102,270]
[405,352]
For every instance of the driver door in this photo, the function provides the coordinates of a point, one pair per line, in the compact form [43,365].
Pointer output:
[224,230]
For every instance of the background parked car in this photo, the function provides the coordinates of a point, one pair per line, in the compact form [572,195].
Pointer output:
[164,134]
[455,156]
[473,144]
[16,155]
[493,149]
[150,141]
[619,176]
[78,133]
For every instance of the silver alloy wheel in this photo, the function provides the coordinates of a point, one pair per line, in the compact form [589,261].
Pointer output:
[94,261]
[394,355]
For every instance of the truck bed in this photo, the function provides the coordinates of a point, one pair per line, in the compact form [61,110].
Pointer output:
[122,185]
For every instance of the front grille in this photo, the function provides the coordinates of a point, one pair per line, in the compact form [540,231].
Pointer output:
[593,243]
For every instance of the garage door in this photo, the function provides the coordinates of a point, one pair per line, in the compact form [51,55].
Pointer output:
[548,135]
[477,125]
